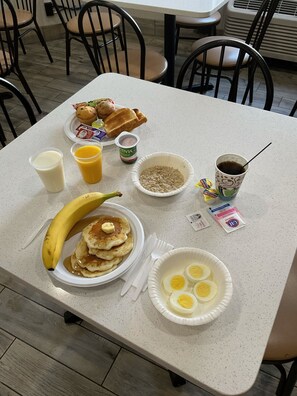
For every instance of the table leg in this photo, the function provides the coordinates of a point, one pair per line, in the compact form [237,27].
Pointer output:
[169,47]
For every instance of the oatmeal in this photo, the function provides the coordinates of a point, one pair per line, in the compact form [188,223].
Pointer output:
[161,179]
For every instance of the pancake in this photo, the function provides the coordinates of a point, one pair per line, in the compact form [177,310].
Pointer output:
[89,274]
[98,239]
[116,251]
[91,262]
[85,272]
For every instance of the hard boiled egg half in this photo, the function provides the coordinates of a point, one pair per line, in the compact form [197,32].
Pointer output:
[175,282]
[183,302]
[195,272]
[205,290]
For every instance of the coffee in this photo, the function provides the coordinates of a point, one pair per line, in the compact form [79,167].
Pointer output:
[231,168]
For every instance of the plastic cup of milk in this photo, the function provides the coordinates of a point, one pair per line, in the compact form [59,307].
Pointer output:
[48,163]
[127,144]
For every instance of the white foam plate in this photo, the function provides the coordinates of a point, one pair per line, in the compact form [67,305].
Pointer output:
[61,274]
[176,261]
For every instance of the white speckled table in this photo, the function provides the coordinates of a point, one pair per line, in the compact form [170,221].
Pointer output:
[223,356]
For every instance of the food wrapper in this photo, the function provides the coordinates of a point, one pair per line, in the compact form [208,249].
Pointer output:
[84,131]
[92,103]
[209,194]
[204,183]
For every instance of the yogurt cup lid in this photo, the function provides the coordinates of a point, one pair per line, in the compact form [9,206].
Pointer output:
[126,140]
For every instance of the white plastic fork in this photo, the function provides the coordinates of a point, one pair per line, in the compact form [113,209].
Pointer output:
[159,250]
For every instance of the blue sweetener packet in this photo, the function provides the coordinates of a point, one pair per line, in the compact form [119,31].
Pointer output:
[228,216]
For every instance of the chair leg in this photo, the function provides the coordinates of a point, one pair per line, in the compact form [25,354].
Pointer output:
[69,317]
[22,43]
[293,111]
[176,38]
[67,42]
[8,119]
[2,136]
[291,380]
[176,379]
[121,38]
[27,88]
[42,41]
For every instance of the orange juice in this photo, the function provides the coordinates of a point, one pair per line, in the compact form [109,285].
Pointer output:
[89,160]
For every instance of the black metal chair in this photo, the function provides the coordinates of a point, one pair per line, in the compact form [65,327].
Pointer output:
[68,11]
[26,22]
[108,55]
[9,58]
[206,24]
[250,67]
[282,344]
[255,36]
[10,93]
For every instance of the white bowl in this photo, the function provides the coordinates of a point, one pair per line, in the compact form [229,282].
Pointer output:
[163,159]
[175,261]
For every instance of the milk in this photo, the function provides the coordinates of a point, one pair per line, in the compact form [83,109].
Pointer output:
[49,166]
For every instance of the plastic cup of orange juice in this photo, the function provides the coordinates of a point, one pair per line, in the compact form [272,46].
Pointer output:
[88,156]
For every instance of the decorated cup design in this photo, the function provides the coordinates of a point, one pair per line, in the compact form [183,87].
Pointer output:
[228,184]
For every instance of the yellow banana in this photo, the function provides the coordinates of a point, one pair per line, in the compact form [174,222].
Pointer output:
[65,220]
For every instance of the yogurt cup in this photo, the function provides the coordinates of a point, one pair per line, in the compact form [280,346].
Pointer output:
[127,144]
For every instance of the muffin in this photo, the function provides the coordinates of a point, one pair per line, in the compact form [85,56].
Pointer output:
[104,108]
[86,114]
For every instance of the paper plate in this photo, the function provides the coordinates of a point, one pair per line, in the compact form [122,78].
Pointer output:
[61,274]
[73,122]
[176,261]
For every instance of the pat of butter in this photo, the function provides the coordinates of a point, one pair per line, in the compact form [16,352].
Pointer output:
[108,227]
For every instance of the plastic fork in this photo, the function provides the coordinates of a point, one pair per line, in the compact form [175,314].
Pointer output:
[161,248]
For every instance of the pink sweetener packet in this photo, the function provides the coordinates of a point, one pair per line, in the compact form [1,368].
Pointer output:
[228,216]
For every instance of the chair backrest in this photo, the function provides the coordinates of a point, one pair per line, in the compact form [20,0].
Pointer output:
[28,5]
[11,98]
[8,38]
[261,23]
[110,50]
[67,9]
[250,68]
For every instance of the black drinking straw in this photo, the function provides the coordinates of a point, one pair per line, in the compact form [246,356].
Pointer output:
[258,154]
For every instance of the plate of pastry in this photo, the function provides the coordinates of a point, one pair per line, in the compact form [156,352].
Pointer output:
[103,120]
[101,247]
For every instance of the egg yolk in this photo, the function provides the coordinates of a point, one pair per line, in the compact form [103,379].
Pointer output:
[203,289]
[195,271]
[185,301]
[177,282]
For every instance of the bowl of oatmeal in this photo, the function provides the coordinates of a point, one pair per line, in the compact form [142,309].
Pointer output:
[162,174]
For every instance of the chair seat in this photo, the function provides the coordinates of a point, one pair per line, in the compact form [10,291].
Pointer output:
[213,55]
[190,22]
[282,343]
[72,24]
[23,17]
[155,64]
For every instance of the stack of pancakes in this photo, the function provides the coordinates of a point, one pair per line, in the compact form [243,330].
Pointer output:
[99,252]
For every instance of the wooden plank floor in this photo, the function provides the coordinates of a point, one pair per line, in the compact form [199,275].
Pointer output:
[39,353]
